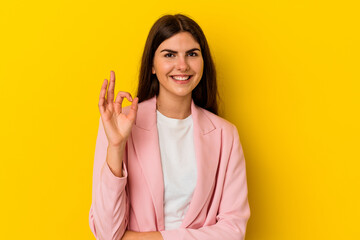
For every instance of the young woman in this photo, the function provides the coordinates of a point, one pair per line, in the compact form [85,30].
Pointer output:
[168,167]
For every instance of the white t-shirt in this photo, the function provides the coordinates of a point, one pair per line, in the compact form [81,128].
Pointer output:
[178,160]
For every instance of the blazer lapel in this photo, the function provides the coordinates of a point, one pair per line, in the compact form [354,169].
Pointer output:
[146,144]
[207,141]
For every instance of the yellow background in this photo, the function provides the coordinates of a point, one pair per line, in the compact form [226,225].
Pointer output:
[289,79]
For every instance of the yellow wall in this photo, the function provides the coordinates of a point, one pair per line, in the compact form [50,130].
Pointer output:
[289,78]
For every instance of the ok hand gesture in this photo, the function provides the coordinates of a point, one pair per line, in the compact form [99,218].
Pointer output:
[117,125]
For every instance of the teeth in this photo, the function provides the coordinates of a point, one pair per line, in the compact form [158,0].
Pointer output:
[181,78]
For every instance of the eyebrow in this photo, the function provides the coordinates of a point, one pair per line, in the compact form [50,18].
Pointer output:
[172,51]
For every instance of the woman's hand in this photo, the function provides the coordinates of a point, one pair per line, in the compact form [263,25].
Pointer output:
[117,125]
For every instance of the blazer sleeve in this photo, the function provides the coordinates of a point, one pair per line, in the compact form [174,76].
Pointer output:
[108,216]
[234,210]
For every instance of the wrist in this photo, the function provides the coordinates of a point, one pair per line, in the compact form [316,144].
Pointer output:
[117,147]
[114,159]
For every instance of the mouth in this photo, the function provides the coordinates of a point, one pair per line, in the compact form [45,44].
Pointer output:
[181,79]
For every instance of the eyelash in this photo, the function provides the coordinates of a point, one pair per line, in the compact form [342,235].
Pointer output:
[168,54]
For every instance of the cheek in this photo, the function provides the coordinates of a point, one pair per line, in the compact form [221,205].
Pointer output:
[163,67]
[199,67]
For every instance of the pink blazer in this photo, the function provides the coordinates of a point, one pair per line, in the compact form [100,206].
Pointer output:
[219,208]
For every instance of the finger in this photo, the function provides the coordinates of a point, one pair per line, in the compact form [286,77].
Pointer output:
[119,99]
[133,109]
[102,97]
[110,93]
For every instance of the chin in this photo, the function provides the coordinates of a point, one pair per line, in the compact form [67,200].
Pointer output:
[183,94]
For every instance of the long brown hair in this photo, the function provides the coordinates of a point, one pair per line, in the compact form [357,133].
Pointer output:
[205,93]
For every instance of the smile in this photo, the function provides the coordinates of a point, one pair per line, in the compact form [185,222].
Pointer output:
[181,78]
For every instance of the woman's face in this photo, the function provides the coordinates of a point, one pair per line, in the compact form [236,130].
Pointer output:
[178,65]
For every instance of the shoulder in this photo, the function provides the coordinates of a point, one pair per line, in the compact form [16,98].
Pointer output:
[220,123]
[227,131]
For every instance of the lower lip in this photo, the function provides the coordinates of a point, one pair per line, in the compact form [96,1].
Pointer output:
[182,82]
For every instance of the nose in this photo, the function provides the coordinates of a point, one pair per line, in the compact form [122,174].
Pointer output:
[182,64]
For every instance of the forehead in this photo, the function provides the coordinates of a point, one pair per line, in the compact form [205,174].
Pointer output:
[182,41]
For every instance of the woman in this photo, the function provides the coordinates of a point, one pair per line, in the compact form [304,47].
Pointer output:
[167,167]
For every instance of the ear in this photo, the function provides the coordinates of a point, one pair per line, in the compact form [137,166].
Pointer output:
[153,70]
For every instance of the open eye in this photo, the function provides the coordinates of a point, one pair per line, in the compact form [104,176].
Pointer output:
[193,54]
[169,55]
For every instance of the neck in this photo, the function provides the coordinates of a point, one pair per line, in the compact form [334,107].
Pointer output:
[174,107]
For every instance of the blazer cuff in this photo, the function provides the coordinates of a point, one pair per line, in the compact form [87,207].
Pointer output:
[111,181]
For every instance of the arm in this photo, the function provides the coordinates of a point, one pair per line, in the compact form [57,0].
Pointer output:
[108,215]
[233,212]
[109,210]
